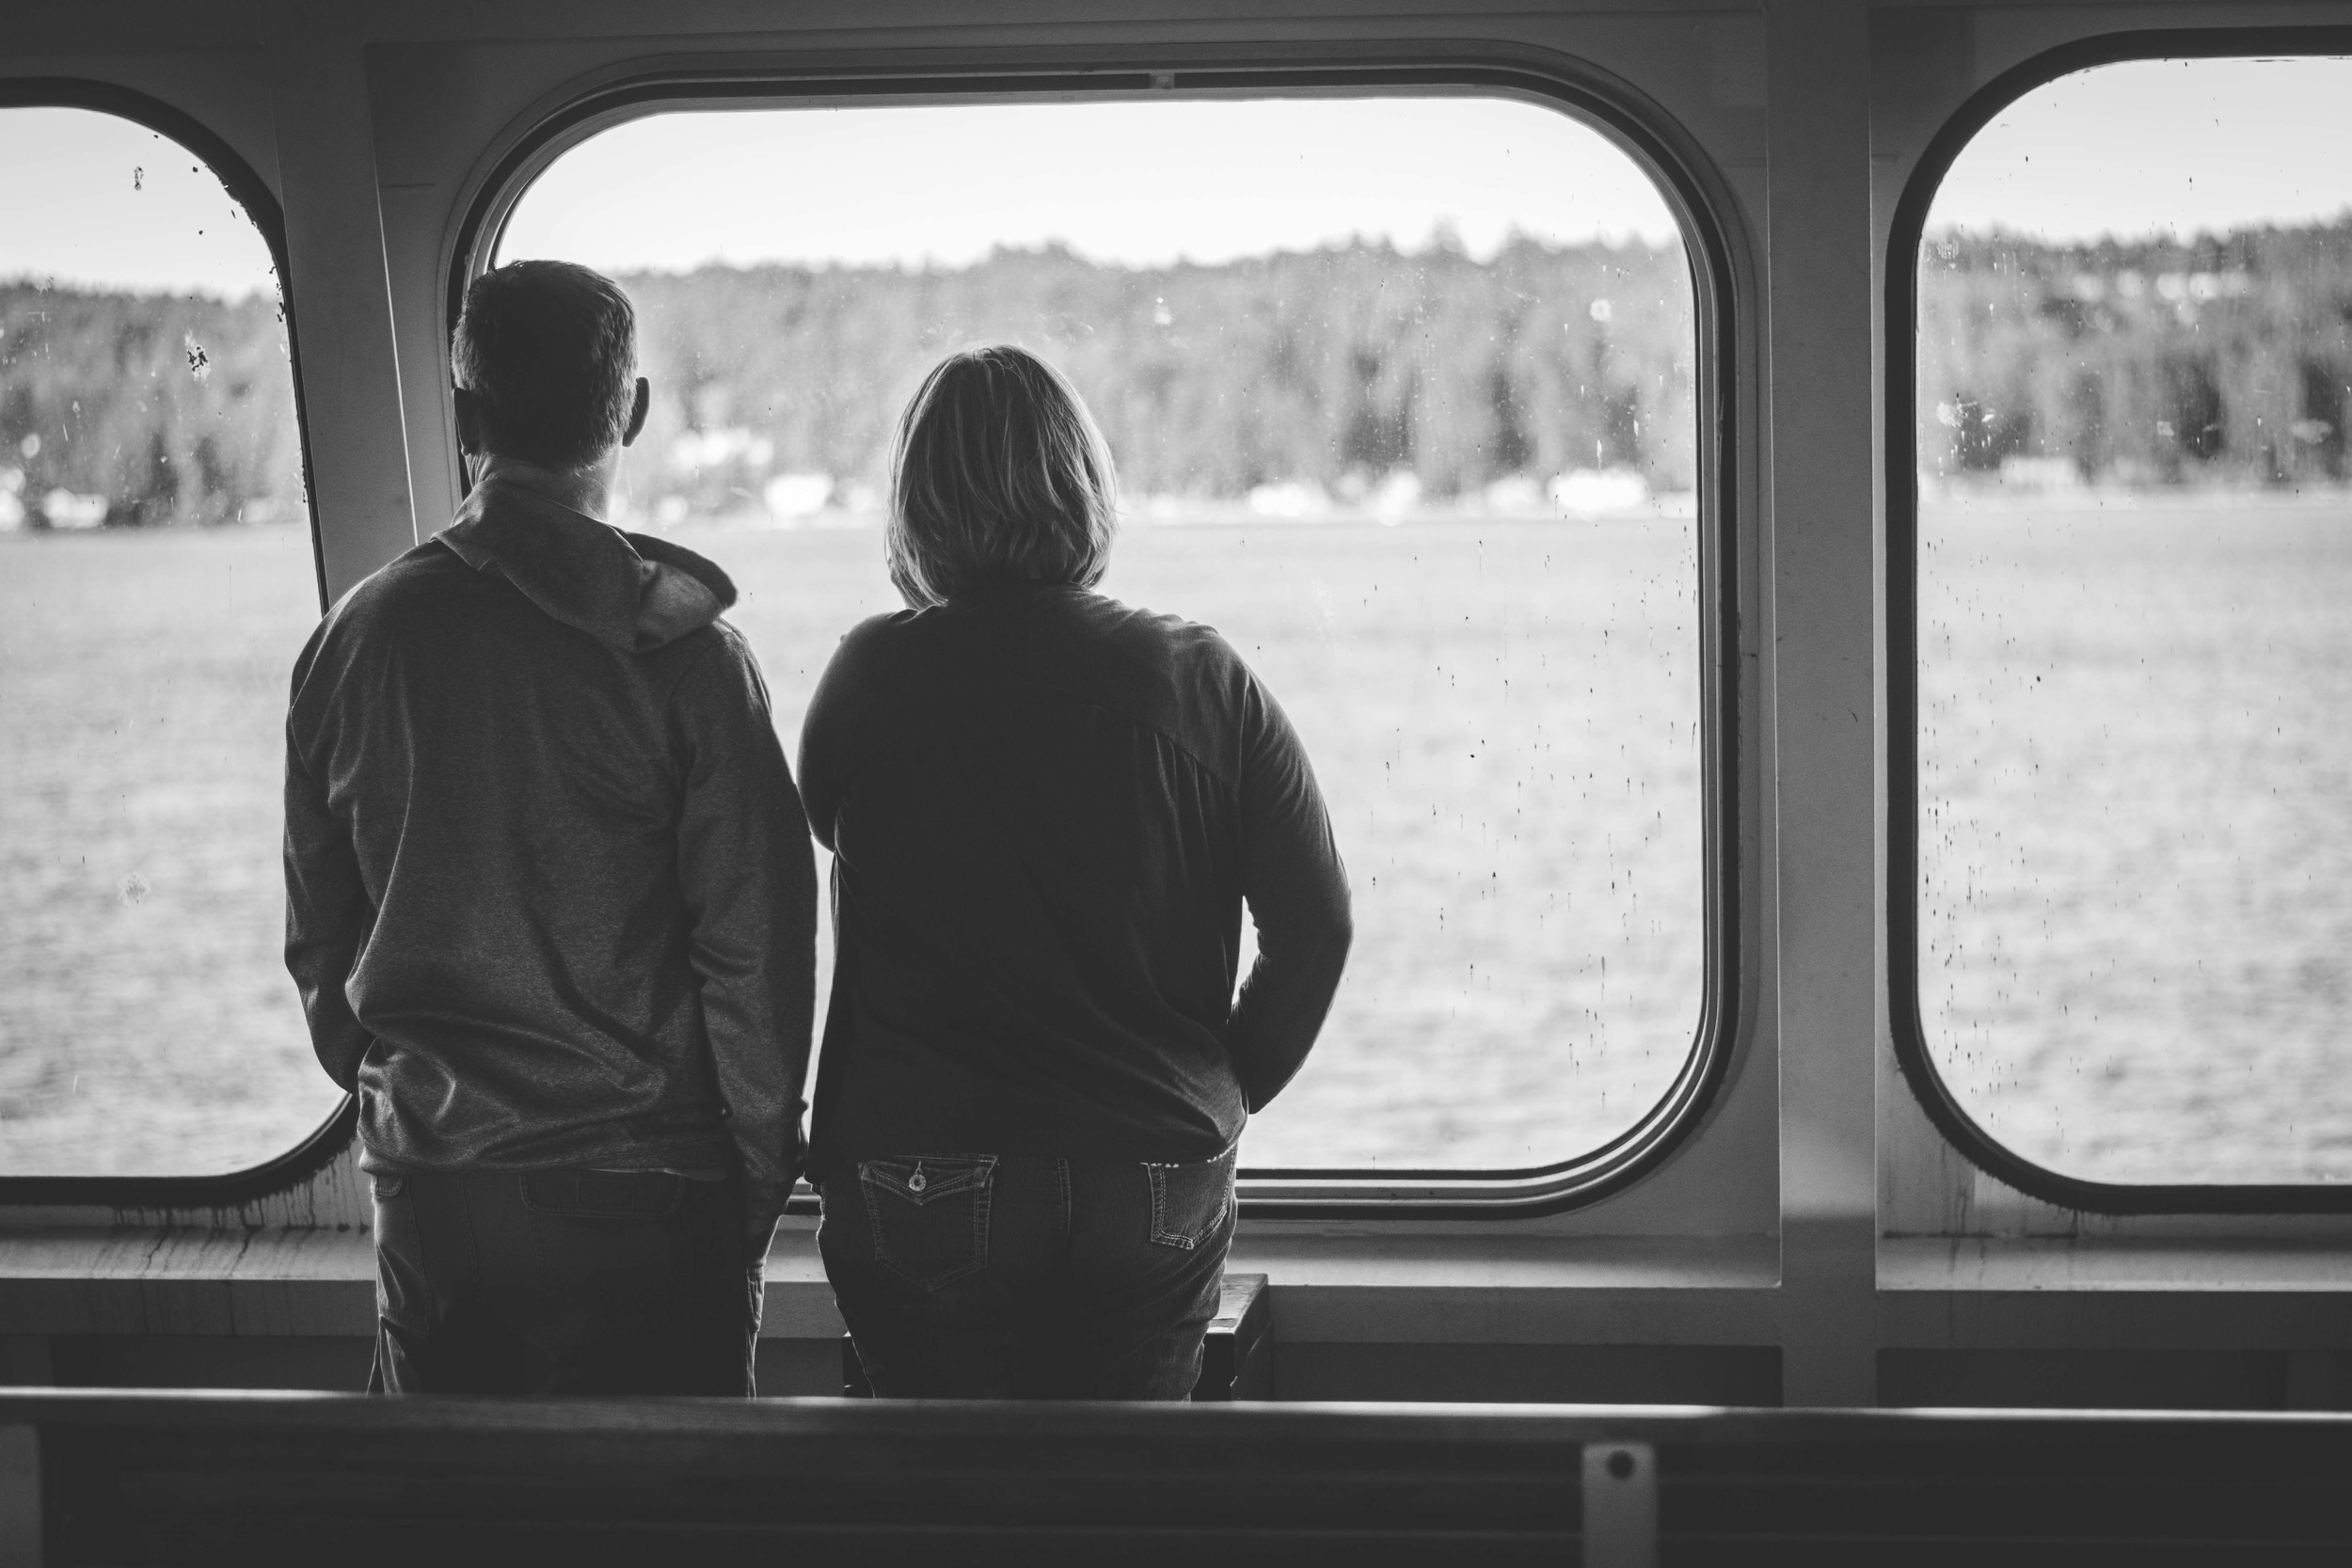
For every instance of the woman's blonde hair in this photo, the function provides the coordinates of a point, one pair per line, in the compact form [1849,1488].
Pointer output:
[998,477]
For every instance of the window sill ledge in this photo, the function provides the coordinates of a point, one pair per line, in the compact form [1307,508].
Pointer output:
[274,1282]
[2113,1265]
[2110,1295]
[1448,1288]
[1518,1290]
[1609,1290]
[1506,1262]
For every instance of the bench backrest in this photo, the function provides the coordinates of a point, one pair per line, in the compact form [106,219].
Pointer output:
[112,1476]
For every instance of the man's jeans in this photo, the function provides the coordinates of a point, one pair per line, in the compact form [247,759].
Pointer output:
[987,1276]
[562,1282]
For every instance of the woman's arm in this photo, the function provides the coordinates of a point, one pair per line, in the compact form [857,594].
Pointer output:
[1296,889]
[845,695]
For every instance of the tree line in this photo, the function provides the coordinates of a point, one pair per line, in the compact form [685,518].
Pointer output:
[2213,359]
[1333,368]
[2218,359]
[175,409]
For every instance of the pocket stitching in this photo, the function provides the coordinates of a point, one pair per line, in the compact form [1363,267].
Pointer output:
[1160,1234]
[978,1181]
[981,1169]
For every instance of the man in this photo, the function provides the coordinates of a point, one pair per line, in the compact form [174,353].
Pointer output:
[550,900]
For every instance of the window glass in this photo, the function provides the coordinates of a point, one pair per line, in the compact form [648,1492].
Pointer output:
[2135,367]
[1401,391]
[155,583]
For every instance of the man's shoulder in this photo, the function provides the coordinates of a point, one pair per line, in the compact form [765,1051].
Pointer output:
[716,648]
[376,607]
[414,580]
[710,675]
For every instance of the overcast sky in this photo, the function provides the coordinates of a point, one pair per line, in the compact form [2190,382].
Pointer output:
[94,199]
[2161,146]
[2130,150]
[1137,184]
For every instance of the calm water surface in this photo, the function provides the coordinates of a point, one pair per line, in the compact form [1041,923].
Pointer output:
[2134,910]
[2136,834]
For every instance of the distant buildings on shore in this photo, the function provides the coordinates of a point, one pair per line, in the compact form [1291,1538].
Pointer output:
[60,510]
[816,500]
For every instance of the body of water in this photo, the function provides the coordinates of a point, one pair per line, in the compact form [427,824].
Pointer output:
[2136,834]
[2133,917]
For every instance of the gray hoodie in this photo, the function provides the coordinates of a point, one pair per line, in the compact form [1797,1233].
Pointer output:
[550,894]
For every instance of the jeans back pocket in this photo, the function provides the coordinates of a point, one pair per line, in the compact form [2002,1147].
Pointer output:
[1190,1201]
[930,1214]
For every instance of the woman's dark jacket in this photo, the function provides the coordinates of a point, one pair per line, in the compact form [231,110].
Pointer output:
[1046,810]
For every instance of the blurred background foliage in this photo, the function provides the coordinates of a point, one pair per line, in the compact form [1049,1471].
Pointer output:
[2221,360]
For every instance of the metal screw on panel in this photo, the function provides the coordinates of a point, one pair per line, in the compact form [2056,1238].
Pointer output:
[1620,1505]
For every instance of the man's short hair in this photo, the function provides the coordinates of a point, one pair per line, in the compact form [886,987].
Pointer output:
[548,351]
[999,477]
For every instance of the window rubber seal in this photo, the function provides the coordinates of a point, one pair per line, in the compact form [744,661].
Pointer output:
[1687,181]
[322,1145]
[1908,1023]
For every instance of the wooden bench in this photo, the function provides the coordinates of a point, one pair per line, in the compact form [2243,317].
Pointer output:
[255,1480]
[1237,1361]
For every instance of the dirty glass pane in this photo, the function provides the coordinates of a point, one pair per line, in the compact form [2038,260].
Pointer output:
[1401,391]
[155,584]
[2135,343]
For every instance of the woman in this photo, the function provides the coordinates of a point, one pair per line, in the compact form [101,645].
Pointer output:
[1047,810]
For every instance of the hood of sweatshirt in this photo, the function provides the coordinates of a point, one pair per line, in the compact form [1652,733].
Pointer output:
[626,590]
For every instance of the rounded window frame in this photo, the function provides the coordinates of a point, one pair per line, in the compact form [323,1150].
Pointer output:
[324,1143]
[1653,140]
[1905,237]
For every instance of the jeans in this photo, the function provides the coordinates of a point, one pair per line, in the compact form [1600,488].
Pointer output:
[562,1282]
[1005,1277]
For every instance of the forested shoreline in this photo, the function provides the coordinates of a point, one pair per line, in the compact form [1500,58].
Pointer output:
[169,409]
[1328,375]
[2222,359]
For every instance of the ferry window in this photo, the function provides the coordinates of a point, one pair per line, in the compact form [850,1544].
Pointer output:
[1401,390]
[2135,662]
[156,582]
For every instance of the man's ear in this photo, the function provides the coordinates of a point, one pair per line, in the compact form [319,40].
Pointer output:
[637,411]
[468,422]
